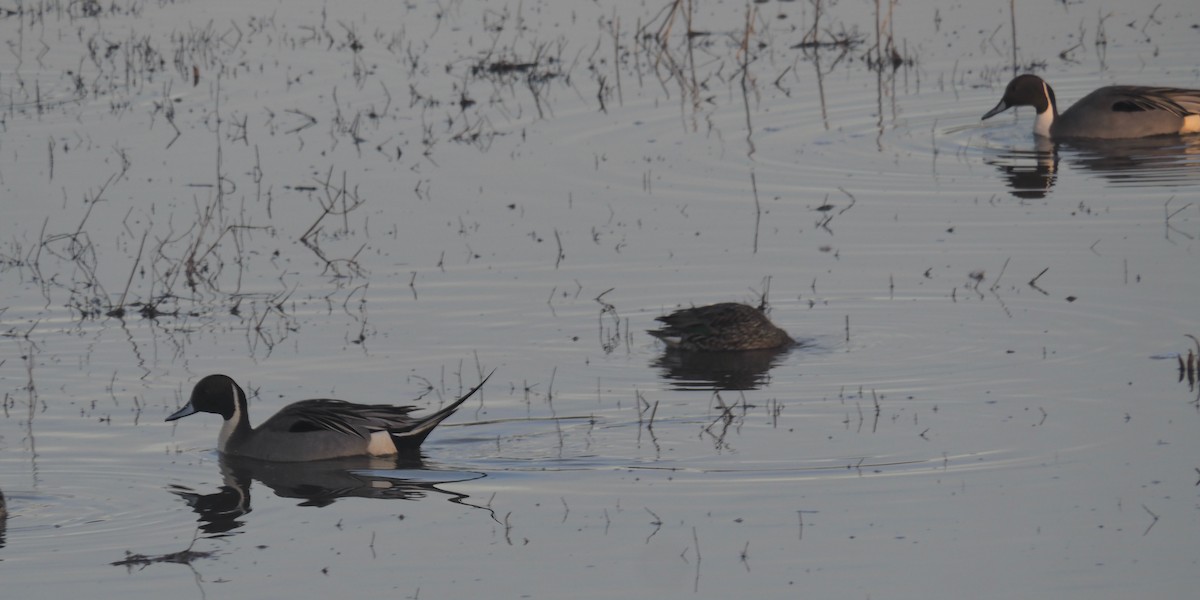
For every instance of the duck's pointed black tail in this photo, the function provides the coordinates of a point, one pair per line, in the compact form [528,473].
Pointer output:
[412,438]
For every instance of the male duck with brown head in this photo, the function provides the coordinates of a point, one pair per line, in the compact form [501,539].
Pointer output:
[1113,112]
[312,429]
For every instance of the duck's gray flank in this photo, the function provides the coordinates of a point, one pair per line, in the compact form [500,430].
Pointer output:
[1112,112]
[312,429]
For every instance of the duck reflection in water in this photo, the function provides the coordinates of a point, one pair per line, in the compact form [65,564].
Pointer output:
[3,518]
[318,484]
[734,371]
[1152,161]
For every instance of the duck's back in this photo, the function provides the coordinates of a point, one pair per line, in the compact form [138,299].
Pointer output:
[720,327]
[1123,111]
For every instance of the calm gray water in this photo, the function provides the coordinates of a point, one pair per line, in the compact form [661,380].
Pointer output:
[383,204]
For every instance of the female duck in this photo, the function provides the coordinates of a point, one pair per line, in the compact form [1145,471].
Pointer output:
[1114,112]
[312,429]
[728,326]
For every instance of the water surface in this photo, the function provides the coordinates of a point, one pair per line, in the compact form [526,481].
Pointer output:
[383,204]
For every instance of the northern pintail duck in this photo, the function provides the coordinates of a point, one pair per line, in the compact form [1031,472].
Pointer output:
[1119,111]
[312,429]
[722,327]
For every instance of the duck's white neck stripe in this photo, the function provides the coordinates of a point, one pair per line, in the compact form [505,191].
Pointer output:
[230,424]
[1046,117]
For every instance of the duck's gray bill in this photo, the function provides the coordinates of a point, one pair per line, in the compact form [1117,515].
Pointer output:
[1001,107]
[183,412]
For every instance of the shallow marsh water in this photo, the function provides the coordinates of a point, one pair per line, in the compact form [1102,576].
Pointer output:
[384,204]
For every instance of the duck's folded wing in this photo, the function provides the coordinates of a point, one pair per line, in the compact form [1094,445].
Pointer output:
[1188,100]
[1179,102]
[338,416]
